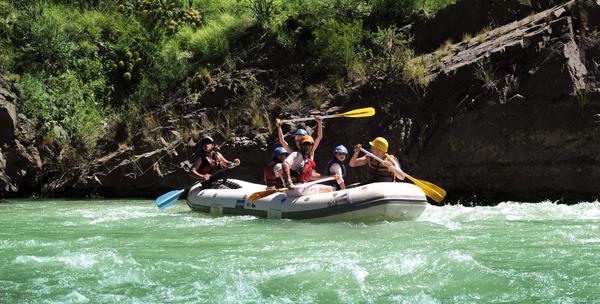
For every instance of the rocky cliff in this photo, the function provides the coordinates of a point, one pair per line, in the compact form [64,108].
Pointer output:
[510,114]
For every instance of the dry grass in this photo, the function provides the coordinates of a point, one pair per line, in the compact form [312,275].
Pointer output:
[415,72]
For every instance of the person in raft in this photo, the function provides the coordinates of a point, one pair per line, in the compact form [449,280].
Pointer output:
[376,171]
[299,133]
[273,171]
[299,166]
[209,161]
[336,167]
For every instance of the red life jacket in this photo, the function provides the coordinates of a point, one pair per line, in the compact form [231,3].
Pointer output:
[270,177]
[209,164]
[305,173]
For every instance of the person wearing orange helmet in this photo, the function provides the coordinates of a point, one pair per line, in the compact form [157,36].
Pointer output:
[299,166]
[376,171]
[300,132]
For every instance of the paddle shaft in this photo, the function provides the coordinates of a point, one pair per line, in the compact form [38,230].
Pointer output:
[316,182]
[257,195]
[306,118]
[431,190]
[379,159]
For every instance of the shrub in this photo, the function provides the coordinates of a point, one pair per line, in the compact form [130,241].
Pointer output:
[389,50]
[63,101]
[337,46]
[263,11]
[390,12]
[211,42]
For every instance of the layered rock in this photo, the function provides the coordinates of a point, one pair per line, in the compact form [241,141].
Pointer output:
[512,112]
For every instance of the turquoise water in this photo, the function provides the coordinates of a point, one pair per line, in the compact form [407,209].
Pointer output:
[127,252]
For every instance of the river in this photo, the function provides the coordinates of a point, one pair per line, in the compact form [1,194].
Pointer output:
[126,251]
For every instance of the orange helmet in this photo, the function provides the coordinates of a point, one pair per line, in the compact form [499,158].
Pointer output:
[306,138]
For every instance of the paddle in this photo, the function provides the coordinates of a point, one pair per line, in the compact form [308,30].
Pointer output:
[358,113]
[434,192]
[260,194]
[171,197]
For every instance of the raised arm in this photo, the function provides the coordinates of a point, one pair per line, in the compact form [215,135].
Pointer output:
[282,141]
[319,133]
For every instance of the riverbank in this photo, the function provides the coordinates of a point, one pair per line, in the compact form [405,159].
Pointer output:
[505,112]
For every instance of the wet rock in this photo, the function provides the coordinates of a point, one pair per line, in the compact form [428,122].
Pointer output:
[8,121]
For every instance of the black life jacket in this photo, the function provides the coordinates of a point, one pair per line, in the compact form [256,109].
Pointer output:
[334,183]
[377,172]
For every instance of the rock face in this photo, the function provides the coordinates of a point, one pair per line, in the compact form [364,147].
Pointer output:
[511,114]
[8,113]
[464,17]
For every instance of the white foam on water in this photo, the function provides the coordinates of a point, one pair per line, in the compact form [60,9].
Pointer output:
[590,241]
[77,260]
[452,216]
[194,221]
[74,297]
[120,215]
[420,298]
[404,264]
[359,272]
[91,239]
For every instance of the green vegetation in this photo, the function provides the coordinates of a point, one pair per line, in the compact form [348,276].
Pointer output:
[83,66]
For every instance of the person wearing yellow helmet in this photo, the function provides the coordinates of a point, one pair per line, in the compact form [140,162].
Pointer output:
[300,132]
[377,172]
[299,166]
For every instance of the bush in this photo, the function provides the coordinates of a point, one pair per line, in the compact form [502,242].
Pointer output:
[211,42]
[63,101]
[338,46]
[390,51]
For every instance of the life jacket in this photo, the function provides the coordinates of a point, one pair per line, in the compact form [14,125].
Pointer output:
[304,173]
[270,178]
[328,172]
[377,172]
[209,164]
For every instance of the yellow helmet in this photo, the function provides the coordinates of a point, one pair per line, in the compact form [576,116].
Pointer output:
[380,143]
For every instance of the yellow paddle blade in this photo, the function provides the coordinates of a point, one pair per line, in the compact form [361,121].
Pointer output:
[434,192]
[260,194]
[363,112]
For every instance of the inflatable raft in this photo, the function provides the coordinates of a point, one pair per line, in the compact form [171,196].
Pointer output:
[371,202]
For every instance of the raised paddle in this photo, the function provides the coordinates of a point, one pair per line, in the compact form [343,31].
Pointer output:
[171,197]
[260,194]
[434,192]
[358,113]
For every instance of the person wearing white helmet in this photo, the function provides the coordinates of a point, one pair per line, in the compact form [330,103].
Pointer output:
[336,167]
[300,132]
[209,161]
[377,172]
